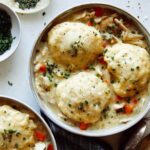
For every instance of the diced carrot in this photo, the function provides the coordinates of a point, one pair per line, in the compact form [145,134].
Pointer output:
[42,68]
[128,108]
[50,147]
[40,136]
[98,11]
[134,100]
[83,126]
[101,60]
[105,43]
[106,81]
[90,23]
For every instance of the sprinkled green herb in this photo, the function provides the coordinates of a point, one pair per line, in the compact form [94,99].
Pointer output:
[9,83]
[27,4]
[5,32]
[7,134]
[51,67]
[24,138]
[132,69]
[86,102]
[105,112]
[16,145]
[91,67]
[73,52]
[112,81]
[98,75]
[69,105]
[65,119]
[81,106]
[55,84]
[66,74]
[105,50]
[137,67]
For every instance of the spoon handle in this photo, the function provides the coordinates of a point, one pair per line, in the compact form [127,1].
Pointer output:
[133,136]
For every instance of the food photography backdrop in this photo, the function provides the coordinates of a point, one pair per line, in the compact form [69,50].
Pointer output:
[14,72]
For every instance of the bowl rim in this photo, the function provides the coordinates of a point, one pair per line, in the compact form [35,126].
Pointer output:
[19,102]
[30,11]
[12,50]
[99,132]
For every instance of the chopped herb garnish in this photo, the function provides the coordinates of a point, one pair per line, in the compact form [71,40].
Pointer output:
[69,105]
[105,50]
[24,138]
[27,4]
[86,102]
[16,145]
[132,69]
[112,81]
[91,67]
[105,112]
[5,32]
[112,57]
[7,134]
[81,106]
[51,67]
[73,52]
[66,74]
[55,84]
[98,75]
[10,83]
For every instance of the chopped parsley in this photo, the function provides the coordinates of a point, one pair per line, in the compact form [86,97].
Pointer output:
[10,83]
[5,32]
[81,106]
[91,67]
[69,105]
[7,134]
[66,74]
[137,67]
[27,4]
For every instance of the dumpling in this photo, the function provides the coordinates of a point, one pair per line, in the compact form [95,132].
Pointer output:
[16,129]
[74,44]
[129,66]
[83,97]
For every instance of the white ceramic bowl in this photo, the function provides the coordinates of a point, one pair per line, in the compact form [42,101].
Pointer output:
[21,106]
[15,30]
[49,112]
[42,4]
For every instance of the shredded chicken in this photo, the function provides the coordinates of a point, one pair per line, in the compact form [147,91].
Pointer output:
[121,25]
[136,39]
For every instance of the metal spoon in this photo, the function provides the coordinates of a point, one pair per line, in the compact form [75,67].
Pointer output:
[144,144]
[132,137]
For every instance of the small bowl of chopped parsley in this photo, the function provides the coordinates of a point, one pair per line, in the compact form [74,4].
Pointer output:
[9,32]
[27,6]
